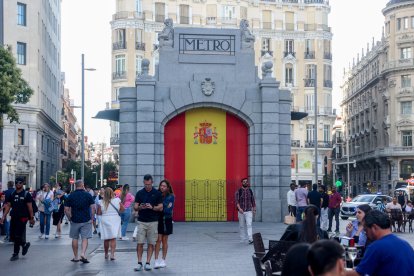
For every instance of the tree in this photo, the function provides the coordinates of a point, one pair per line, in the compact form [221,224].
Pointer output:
[13,88]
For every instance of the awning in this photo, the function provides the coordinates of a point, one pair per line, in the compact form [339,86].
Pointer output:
[108,114]
[113,115]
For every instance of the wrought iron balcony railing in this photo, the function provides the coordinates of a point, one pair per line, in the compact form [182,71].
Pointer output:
[119,75]
[310,55]
[285,54]
[119,45]
[140,46]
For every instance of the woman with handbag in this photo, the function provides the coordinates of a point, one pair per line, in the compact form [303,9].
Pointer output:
[110,209]
[45,198]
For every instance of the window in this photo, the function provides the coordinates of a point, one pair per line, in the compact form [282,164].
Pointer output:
[309,102]
[289,21]
[405,23]
[159,12]
[310,131]
[289,74]
[406,108]
[310,71]
[211,12]
[267,19]
[309,45]
[138,5]
[266,44]
[138,35]
[243,12]
[20,137]
[405,81]
[138,65]
[184,14]
[405,53]
[398,24]
[120,35]
[21,14]
[120,63]
[289,46]
[326,133]
[229,12]
[407,138]
[21,53]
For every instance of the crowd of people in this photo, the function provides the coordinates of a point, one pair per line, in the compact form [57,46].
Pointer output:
[104,212]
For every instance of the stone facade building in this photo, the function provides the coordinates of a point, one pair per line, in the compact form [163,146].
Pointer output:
[293,34]
[31,149]
[69,143]
[377,105]
[205,121]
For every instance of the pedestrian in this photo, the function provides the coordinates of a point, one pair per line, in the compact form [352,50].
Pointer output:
[246,207]
[396,214]
[306,230]
[295,263]
[95,196]
[402,200]
[165,225]
[334,209]
[324,219]
[20,203]
[135,234]
[126,199]
[291,200]
[388,254]
[325,258]
[301,195]
[148,201]
[97,216]
[7,193]
[2,207]
[110,209]
[80,210]
[45,199]
[60,213]
[315,198]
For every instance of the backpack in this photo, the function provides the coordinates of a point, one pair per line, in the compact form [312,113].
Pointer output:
[47,203]
[55,205]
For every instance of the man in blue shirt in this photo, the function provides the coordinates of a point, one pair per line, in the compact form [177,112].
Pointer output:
[80,210]
[388,254]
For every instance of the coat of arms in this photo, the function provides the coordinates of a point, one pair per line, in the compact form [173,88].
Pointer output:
[207,87]
[205,134]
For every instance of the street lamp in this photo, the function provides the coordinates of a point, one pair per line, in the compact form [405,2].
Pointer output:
[96,179]
[83,117]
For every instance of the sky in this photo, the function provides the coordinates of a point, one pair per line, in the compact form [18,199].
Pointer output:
[86,29]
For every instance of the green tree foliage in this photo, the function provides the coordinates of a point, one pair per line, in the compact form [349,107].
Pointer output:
[13,88]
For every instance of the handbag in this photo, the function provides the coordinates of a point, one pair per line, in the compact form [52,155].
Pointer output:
[115,208]
[289,220]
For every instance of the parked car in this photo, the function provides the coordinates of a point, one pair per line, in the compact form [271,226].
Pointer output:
[348,209]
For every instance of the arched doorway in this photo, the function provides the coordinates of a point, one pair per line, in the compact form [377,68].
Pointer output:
[205,157]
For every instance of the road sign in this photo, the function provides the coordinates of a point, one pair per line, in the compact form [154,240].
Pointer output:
[71,180]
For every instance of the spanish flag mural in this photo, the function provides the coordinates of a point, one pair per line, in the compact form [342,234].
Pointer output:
[206,153]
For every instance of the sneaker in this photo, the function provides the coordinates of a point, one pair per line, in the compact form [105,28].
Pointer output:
[157,264]
[134,239]
[250,241]
[163,263]
[138,268]
[25,248]
[95,232]
[147,267]
[41,236]
[46,237]
[14,257]
[125,238]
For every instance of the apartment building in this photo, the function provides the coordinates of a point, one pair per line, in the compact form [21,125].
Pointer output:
[31,148]
[69,143]
[377,105]
[293,34]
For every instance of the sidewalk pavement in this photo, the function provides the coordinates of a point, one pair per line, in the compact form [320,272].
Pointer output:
[195,248]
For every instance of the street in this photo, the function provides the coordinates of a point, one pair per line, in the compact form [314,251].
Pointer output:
[195,248]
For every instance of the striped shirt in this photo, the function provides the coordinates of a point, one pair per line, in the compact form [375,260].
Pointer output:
[245,198]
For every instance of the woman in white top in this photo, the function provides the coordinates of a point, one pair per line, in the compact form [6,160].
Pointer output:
[45,199]
[109,209]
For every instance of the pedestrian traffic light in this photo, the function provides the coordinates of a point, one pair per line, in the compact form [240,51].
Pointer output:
[338,183]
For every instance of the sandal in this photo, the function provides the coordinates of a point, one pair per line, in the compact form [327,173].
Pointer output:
[74,260]
[106,257]
[84,260]
[112,258]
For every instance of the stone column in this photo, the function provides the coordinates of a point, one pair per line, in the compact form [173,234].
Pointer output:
[127,137]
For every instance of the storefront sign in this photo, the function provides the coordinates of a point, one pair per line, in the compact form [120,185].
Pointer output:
[207,44]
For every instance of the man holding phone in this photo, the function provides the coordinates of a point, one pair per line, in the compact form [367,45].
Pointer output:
[148,201]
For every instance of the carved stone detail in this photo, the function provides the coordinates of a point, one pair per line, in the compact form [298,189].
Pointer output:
[208,87]
[166,37]
[246,36]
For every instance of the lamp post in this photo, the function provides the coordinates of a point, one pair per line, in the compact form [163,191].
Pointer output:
[96,179]
[83,117]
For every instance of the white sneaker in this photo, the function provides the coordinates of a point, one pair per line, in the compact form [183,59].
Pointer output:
[41,236]
[125,238]
[157,264]
[163,263]
[47,237]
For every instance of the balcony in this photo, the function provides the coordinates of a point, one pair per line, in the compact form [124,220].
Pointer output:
[140,46]
[310,27]
[159,17]
[289,26]
[290,1]
[401,63]
[285,54]
[321,144]
[316,2]
[289,83]
[295,143]
[120,75]
[267,25]
[211,20]
[310,55]
[228,21]
[324,27]
[327,55]
[327,83]
[264,52]
[114,141]
[127,14]
[184,20]
[120,45]
[309,82]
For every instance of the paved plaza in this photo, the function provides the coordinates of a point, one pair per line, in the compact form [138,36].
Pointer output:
[196,248]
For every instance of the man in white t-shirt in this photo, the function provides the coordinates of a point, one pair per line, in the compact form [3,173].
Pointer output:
[395,210]
[291,200]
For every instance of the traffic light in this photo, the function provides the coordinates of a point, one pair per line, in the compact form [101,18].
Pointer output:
[338,185]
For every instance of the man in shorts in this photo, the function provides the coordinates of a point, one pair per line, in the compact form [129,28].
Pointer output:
[148,201]
[80,210]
